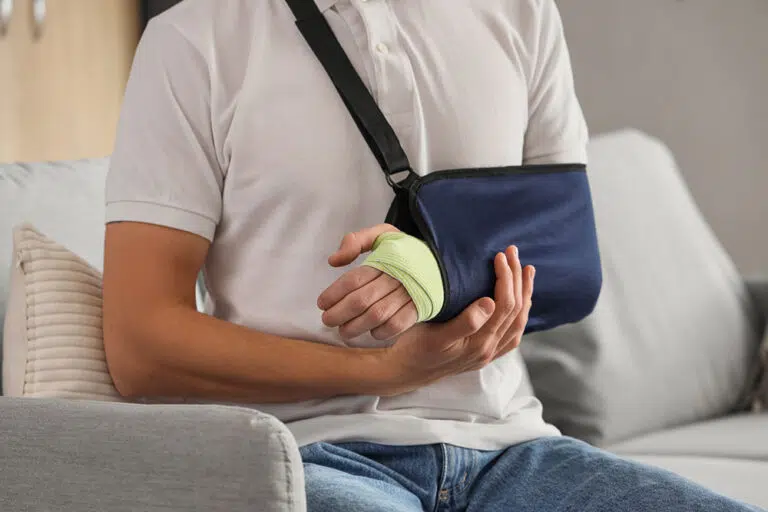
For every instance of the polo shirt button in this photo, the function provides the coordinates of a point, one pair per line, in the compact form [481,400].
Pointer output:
[382,48]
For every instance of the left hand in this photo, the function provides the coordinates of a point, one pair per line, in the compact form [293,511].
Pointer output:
[365,299]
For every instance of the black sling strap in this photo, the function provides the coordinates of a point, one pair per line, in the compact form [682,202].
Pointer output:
[378,133]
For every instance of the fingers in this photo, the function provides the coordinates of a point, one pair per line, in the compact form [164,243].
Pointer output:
[346,285]
[403,319]
[511,288]
[505,298]
[381,315]
[513,259]
[469,322]
[357,302]
[356,243]
[514,334]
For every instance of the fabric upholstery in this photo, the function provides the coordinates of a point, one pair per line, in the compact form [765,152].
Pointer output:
[81,456]
[63,199]
[61,347]
[675,332]
[742,436]
[728,455]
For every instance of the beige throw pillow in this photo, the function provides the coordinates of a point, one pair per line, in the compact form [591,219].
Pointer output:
[53,328]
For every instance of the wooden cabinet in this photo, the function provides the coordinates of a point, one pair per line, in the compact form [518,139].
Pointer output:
[62,80]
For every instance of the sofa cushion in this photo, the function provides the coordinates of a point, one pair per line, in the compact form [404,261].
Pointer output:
[741,436]
[675,331]
[63,199]
[736,478]
[54,344]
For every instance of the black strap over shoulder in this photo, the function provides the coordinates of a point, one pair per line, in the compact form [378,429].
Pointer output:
[378,133]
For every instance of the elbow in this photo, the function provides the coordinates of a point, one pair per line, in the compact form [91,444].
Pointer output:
[130,385]
[129,366]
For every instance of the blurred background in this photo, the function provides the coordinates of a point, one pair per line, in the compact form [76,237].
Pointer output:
[693,73]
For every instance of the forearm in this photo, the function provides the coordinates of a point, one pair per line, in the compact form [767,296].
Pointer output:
[179,352]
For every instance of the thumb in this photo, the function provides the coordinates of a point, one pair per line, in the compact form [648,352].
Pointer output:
[471,320]
[356,243]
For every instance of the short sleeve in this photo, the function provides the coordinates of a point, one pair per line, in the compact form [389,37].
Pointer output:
[164,168]
[557,131]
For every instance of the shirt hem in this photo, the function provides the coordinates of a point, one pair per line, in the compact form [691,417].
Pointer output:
[161,215]
[409,431]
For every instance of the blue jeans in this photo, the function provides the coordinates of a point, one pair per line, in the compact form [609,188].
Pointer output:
[546,475]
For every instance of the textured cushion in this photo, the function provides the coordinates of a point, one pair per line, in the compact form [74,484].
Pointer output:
[674,333]
[63,199]
[54,345]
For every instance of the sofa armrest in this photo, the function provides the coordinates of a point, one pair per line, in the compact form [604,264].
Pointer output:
[95,456]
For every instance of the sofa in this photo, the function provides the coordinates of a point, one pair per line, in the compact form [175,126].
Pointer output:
[662,372]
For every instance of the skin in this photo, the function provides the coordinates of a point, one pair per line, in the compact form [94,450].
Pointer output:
[158,345]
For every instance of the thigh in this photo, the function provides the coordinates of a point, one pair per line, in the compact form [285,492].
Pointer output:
[563,474]
[339,480]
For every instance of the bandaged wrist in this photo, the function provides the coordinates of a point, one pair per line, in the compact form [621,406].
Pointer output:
[410,261]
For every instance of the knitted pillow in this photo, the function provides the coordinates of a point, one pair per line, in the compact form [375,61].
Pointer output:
[53,327]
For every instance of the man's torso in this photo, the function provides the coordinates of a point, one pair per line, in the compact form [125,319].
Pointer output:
[453,79]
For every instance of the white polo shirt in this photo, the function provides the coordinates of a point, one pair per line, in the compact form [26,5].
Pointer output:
[232,130]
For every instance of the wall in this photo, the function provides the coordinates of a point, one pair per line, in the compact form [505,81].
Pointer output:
[695,74]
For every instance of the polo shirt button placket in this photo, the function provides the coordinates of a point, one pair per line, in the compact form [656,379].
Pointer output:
[393,76]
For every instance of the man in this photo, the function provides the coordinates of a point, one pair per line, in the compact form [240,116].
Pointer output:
[236,155]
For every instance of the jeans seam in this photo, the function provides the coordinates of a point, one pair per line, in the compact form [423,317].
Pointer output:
[443,474]
[468,470]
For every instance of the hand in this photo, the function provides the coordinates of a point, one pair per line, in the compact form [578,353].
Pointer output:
[365,299]
[483,332]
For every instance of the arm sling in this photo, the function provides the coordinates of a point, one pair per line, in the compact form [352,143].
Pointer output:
[467,216]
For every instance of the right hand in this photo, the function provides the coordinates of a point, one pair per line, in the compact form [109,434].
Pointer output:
[483,332]
[365,299]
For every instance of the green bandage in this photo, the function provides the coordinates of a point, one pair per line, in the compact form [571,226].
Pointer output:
[410,261]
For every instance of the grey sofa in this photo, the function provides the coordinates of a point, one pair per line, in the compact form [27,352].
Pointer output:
[90,456]
[97,456]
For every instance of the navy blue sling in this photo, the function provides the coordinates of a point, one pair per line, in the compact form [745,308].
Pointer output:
[548,208]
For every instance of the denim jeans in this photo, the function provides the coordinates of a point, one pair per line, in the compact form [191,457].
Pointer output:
[546,475]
